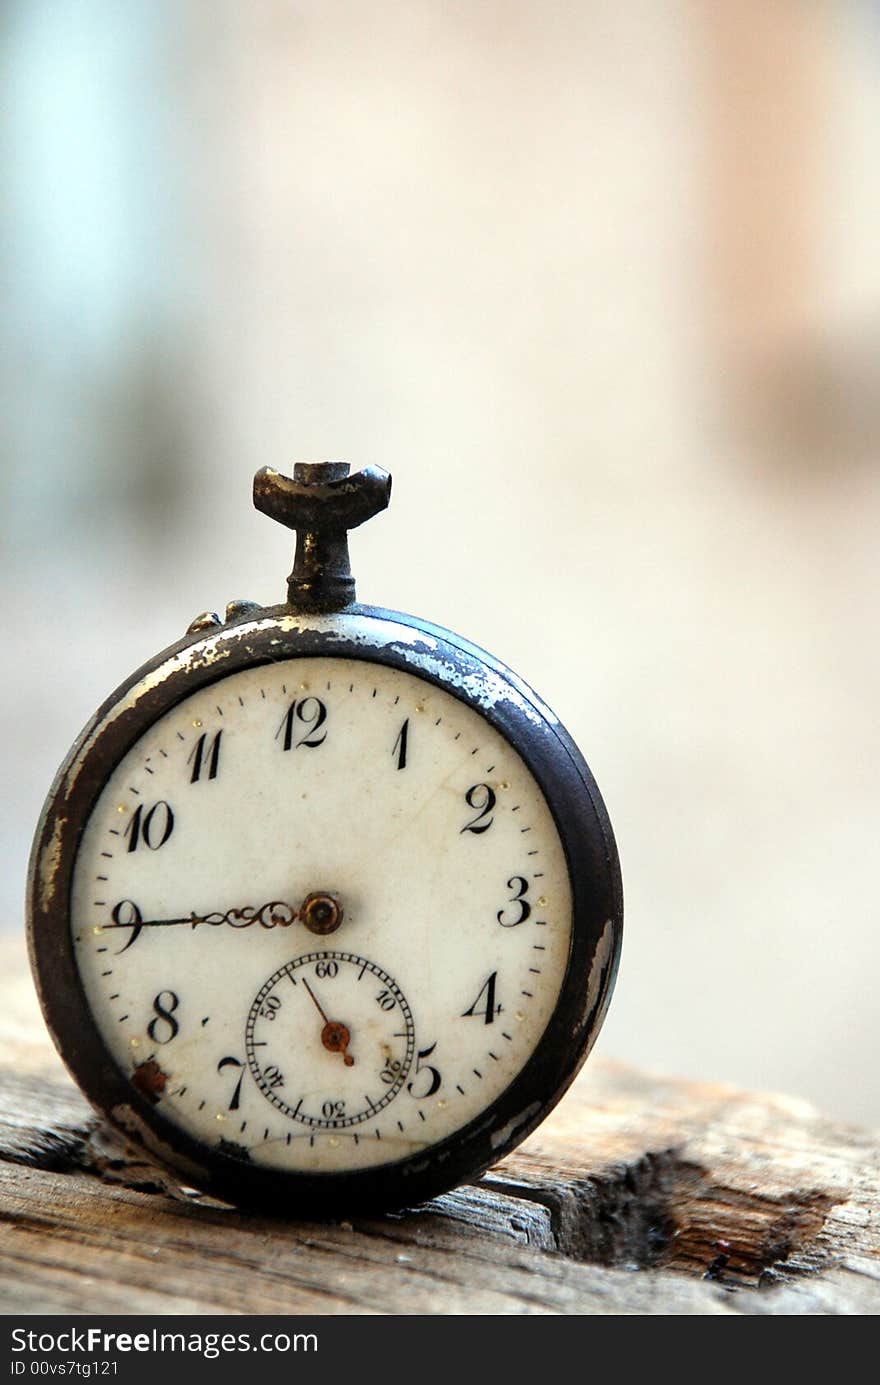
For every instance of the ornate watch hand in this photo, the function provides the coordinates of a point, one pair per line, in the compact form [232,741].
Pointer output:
[320,912]
[275,914]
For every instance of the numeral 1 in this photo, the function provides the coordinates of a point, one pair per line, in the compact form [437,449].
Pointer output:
[400,745]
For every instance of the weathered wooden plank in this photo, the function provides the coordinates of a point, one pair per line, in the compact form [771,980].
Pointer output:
[638,1195]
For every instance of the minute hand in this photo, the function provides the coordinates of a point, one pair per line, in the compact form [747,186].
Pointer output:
[275,914]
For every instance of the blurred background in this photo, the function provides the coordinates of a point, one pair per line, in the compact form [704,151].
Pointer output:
[598,282]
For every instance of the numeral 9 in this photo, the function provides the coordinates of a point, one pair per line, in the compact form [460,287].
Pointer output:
[126,914]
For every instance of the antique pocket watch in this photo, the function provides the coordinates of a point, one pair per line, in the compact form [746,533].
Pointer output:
[324,905]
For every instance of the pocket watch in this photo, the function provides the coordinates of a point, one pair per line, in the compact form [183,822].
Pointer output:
[324,905]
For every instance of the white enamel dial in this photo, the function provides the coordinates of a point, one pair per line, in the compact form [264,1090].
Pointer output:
[296,1048]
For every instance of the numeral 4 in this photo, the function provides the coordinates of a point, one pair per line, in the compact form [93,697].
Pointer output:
[488,1009]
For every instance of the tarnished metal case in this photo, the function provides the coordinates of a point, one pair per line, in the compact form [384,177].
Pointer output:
[468,673]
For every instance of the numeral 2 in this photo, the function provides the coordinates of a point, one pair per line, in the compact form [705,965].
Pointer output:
[482,798]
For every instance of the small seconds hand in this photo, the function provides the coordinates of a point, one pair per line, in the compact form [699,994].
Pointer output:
[315,1001]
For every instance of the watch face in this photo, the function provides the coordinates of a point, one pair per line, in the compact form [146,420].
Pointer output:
[321,914]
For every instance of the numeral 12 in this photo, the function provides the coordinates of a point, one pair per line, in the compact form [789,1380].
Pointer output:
[311,713]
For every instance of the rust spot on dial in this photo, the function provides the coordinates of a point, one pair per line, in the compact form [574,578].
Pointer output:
[149,1079]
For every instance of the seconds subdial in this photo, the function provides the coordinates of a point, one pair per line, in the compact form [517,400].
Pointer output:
[330,1039]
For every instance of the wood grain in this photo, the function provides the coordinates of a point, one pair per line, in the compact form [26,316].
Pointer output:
[639,1195]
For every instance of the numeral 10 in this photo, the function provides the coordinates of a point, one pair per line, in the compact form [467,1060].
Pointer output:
[152,828]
